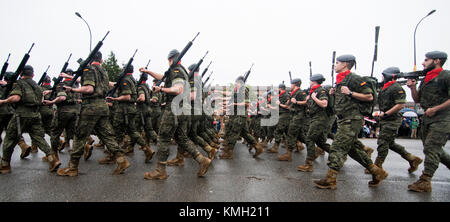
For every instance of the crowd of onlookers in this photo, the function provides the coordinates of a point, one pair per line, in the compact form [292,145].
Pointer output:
[408,129]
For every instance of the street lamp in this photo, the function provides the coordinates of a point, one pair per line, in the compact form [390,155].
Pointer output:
[90,33]
[415,61]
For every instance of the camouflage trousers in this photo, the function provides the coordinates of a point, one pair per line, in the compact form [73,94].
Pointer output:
[103,129]
[31,125]
[346,143]
[317,132]
[386,140]
[296,131]
[144,123]
[195,121]
[434,137]
[125,124]
[259,133]
[62,121]
[155,116]
[4,121]
[237,127]
[282,127]
[173,126]
[202,131]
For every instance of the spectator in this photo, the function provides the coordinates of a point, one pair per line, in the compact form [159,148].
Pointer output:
[414,125]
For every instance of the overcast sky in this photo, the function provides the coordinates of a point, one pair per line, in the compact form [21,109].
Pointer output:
[277,36]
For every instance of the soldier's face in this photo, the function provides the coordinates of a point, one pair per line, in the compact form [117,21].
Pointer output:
[430,63]
[340,66]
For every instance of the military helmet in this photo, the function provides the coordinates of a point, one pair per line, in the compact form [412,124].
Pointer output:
[129,69]
[9,76]
[346,58]
[97,56]
[240,78]
[297,82]
[173,53]
[28,70]
[144,76]
[282,86]
[390,73]
[47,79]
[436,55]
[69,71]
[192,67]
[317,78]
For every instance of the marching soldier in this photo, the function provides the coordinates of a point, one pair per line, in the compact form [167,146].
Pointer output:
[174,126]
[94,116]
[46,112]
[434,97]
[350,91]
[391,100]
[27,96]
[283,122]
[298,107]
[317,101]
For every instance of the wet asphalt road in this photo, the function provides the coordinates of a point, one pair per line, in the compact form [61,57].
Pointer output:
[240,179]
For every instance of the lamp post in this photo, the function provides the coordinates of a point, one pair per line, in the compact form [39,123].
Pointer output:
[90,33]
[415,61]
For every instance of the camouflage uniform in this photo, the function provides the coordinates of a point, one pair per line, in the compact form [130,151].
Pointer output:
[143,119]
[6,112]
[296,126]
[46,111]
[283,122]
[155,110]
[435,130]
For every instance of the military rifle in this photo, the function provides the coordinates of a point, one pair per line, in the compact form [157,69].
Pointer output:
[176,60]
[375,54]
[290,76]
[41,80]
[206,70]
[86,62]
[5,67]
[16,75]
[143,74]
[332,68]
[59,79]
[119,80]
[197,66]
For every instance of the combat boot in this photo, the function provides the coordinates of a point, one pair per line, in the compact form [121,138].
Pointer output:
[286,157]
[369,151]
[158,174]
[211,152]
[87,151]
[329,182]
[226,154]
[378,175]
[414,162]
[215,145]
[274,148]
[122,164]
[300,146]
[379,162]
[34,149]
[108,159]
[129,150]
[265,144]
[71,170]
[91,140]
[177,161]
[308,167]
[53,162]
[422,185]
[25,149]
[148,153]
[317,152]
[259,150]
[204,164]
[5,167]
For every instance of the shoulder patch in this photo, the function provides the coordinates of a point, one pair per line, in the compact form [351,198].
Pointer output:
[85,70]
[323,91]
[124,83]
[176,71]
[401,91]
[363,83]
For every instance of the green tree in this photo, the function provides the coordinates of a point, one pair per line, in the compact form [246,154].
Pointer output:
[111,66]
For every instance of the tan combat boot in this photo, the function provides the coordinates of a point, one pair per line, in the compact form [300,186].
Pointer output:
[148,153]
[122,164]
[414,162]
[203,163]
[369,151]
[108,159]
[158,174]
[379,162]
[259,150]
[423,185]
[177,161]
[25,149]
[71,170]
[34,149]
[91,140]
[227,153]
[211,152]
[286,157]
[329,182]
[317,152]
[308,167]
[5,167]
[53,162]
[87,151]
[265,144]
[378,175]
[274,148]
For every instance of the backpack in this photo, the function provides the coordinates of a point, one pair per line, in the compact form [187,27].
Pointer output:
[366,108]
[330,107]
